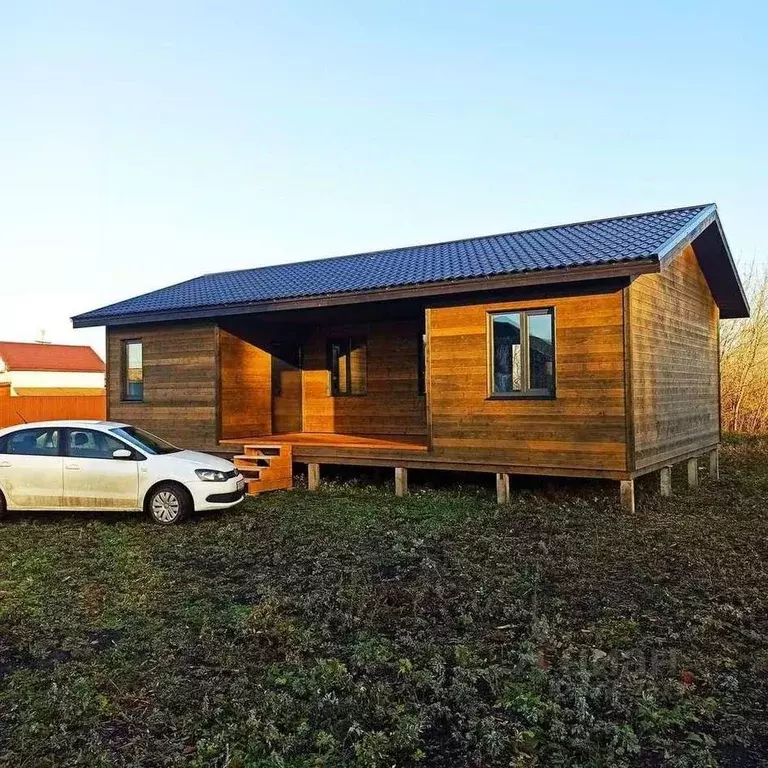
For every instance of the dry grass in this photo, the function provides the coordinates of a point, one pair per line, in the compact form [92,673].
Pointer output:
[354,628]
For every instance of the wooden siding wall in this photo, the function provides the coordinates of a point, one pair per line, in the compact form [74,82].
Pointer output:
[245,388]
[391,404]
[674,352]
[584,428]
[286,406]
[180,382]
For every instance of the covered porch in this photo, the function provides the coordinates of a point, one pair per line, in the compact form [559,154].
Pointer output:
[339,378]
[338,385]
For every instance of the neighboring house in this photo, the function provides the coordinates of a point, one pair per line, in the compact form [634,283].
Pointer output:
[586,350]
[50,369]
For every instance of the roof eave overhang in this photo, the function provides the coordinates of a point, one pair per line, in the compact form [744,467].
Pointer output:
[629,269]
[689,233]
[705,235]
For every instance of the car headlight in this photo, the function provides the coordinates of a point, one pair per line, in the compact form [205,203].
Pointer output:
[211,475]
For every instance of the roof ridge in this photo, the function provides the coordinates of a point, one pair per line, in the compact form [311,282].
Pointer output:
[48,344]
[448,242]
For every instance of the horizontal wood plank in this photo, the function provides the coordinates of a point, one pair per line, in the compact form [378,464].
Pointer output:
[582,430]
[674,347]
[391,403]
[180,369]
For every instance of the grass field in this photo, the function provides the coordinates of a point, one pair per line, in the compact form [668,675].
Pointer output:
[349,627]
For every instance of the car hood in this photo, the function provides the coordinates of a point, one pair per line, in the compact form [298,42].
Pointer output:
[203,460]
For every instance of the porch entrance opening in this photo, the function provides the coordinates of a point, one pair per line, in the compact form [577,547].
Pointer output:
[287,389]
[354,373]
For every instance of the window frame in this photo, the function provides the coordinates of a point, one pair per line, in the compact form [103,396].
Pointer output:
[124,396]
[333,390]
[526,393]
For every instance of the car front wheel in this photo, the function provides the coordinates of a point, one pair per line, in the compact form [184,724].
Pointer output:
[168,504]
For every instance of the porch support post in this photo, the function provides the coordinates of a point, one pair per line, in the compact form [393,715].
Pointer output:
[502,488]
[627,493]
[714,463]
[313,476]
[666,481]
[401,481]
[693,472]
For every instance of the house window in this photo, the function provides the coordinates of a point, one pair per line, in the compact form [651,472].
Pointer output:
[348,363]
[133,370]
[522,348]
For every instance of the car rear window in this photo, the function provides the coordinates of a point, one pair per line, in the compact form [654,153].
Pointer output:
[43,441]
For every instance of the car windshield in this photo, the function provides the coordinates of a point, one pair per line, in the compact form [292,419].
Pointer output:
[148,443]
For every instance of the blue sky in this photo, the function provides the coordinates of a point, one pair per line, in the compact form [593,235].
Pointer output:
[144,143]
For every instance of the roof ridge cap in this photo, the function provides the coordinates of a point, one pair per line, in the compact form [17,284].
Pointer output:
[435,243]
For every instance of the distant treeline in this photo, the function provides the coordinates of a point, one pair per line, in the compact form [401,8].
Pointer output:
[744,360]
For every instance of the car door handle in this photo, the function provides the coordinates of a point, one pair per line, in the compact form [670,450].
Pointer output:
[72,466]
[5,464]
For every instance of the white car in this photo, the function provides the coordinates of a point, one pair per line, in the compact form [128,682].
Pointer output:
[103,465]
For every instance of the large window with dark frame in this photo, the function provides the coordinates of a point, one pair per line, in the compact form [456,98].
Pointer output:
[522,352]
[348,366]
[133,370]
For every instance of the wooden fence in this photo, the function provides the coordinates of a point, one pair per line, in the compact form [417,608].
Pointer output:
[27,408]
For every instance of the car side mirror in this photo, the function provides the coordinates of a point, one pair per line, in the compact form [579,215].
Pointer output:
[122,453]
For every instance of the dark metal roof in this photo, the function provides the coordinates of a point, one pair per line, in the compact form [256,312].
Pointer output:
[625,239]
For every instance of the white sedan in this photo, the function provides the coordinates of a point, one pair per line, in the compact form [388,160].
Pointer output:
[103,465]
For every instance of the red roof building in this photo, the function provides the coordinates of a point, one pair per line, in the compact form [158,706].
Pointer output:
[23,356]
[50,370]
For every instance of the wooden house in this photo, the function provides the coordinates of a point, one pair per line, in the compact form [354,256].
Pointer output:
[585,350]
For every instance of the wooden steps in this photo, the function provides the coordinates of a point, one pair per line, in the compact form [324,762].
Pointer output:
[266,466]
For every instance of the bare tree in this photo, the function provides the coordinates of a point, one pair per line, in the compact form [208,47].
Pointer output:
[744,361]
